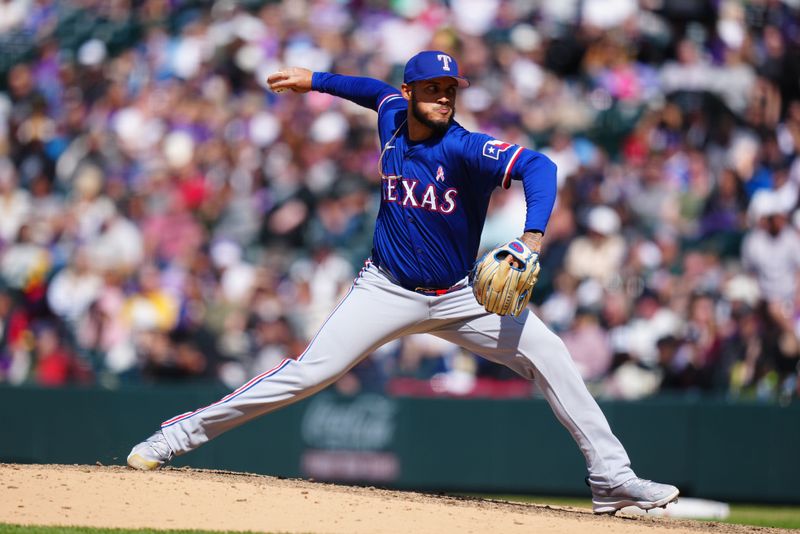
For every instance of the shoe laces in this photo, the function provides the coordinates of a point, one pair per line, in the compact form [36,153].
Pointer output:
[644,488]
[636,482]
[159,444]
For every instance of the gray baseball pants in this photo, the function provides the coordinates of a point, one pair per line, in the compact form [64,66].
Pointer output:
[377,310]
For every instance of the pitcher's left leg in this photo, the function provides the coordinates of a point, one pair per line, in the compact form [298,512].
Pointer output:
[528,347]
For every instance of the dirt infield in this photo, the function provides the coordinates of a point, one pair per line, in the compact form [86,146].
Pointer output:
[199,499]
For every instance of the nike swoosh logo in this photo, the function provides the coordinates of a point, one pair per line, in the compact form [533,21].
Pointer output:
[387,147]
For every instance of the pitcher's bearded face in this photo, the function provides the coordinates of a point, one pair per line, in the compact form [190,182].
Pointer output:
[433,103]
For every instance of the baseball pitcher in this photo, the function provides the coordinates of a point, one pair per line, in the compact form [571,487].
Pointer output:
[423,276]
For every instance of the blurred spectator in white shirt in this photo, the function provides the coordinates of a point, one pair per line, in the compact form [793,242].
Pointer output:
[600,253]
[771,249]
[13,14]
[15,202]
[73,289]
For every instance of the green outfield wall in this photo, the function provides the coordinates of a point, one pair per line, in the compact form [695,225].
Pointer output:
[710,449]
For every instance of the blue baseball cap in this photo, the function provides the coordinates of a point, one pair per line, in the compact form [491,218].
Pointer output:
[431,64]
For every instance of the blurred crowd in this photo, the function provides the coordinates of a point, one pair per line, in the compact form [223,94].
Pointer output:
[166,218]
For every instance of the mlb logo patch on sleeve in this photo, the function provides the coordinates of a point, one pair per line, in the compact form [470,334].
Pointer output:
[493,148]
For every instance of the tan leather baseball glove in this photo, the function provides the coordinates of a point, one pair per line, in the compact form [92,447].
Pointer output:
[504,287]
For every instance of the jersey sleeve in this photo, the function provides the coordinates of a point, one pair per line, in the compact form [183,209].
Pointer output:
[500,162]
[491,159]
[366,92]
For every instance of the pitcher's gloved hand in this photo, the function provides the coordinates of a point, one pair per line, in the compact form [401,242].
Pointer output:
[503,278]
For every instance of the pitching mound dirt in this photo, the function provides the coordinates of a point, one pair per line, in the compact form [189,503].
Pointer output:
[214,500]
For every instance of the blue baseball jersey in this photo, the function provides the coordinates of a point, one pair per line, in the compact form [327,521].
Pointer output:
[435,193]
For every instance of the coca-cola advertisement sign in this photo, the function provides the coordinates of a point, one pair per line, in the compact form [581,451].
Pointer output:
[347,438]
[365,422]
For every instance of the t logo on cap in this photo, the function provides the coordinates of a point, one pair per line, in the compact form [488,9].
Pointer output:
[431,64]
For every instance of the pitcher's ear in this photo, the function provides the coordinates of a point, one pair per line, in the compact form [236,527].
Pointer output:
[406,89]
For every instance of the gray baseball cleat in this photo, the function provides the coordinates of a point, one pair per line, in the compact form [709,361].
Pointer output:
[645,494]
[150,454]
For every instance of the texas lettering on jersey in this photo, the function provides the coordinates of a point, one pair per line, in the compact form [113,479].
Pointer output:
[435,195]
[409,194]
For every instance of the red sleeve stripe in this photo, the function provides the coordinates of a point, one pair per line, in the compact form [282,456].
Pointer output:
[507,175]
[386,99]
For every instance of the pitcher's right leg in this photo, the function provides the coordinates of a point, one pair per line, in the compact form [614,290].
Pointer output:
[373,312]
